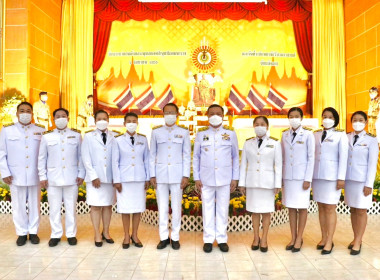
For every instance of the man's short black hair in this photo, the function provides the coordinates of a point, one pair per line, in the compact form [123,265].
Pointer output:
[99,112]
[130,114]
[170,104]
[43,93]
[60,109]
[24,103]
[214,106]
[90,96]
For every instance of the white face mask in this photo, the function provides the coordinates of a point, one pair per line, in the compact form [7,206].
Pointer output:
[170,119]
[25,118]
[260,130]
[373,95]
[358,126]
[101,125]
[131,127]
[295,122]
[215,120]
[328,123]
[61,123]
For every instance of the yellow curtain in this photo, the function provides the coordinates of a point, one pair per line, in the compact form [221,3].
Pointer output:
[76,57]
[329,79]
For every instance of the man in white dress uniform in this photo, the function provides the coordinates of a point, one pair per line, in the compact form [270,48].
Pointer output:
[19,145]
[169,166]
[216,174]
[61,172]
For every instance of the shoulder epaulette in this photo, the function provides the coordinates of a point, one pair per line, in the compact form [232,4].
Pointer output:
[203,128]
[307,128]
[119,135]
[285,129]
[370,134]
[249,138]
[75,130]
[340,130]
[49,131]
[317,130]
[141,134]
[273,138]
[115,131]
[90,131]
[39,125]
[228,127]
[182,126]
[8,124]
[157,126]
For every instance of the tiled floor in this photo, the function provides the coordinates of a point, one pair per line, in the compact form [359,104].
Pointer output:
[85,261]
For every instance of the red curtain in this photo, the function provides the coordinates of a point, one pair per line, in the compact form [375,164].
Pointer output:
[299,11]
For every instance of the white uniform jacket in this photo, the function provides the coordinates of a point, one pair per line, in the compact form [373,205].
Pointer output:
[19,146]
[216,156]
[170,154]
[59,159]
[298,155]
[362,158]
[130,163]
[261,167]
[97,156]
[330,155]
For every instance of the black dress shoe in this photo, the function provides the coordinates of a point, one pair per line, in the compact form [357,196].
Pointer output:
[295,250]
[223,247]
[99,244]
[163,244]
[356,252]
[54,242]
[207,247]
[255,247]
[72,241]
[137,244]
[110,241]
[326,252]
[320,247]
[175,245]
[21,240]
[34,239]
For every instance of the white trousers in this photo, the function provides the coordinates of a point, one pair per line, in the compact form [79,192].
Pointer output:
[69,195]
[215,203]
[25,222]
[163,209]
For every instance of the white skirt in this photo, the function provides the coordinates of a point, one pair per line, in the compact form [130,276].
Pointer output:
[132,198]
[294,196]
[102,196]
[325,191]
[354,196]
[260,200]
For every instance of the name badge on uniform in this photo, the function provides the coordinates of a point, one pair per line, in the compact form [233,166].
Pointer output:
[205,138]
[328,140]
[300,142]
[37,133]
[226,136]
[139,143]
[363,145]
[178,136]
[269,146]
[68,137]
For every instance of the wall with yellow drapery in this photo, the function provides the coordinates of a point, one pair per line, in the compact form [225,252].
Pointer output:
[329,75]
[77,50]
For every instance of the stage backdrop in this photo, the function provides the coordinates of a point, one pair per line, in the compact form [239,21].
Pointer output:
[200,61]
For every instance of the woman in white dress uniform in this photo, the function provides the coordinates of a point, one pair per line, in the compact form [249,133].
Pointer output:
[298,148]
[96,156]
[363,152]
[130,168]
[260,174]
[331,151]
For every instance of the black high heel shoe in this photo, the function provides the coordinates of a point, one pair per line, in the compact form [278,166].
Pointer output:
[264,249]
[137,244]
[355,252]
[295,250]
[110,241]
[326,252]
[255,247]
[125,245]
[289,247]
[99,244]
[320,247]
